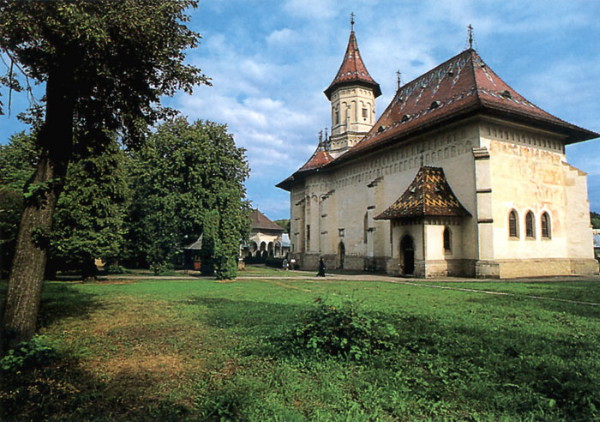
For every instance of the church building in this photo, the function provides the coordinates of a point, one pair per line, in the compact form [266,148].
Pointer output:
[460,176]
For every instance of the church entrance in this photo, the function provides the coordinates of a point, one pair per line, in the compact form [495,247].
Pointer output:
[341,255]
[407,252]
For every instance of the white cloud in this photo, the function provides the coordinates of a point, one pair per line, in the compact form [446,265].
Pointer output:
[311,9]
[282,37]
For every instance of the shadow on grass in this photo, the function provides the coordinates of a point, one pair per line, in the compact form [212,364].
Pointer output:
[260,318]
[58,301]
[62,391]
[61,300]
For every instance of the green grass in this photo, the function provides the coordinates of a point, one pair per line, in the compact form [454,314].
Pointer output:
[206,350]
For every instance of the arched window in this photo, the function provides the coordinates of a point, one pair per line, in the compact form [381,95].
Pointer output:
[546,227]
[530,225]
[447,240]
[513,224]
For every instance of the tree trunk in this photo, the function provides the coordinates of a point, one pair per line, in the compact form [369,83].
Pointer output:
[25,281]
[55,139]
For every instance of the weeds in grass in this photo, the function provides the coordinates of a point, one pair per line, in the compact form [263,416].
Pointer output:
[344,331]
[202,350]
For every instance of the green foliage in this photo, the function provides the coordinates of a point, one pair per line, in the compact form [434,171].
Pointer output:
[114,60]
[284,223]
[38,351]
[17,161]
[89,221]
[188,180]
[344,331]
[595,219]
[172,350]
[89,216]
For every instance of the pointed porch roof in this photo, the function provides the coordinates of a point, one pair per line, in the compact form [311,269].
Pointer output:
[429,195]
[353,71]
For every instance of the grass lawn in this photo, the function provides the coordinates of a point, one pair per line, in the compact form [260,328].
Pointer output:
[205,350]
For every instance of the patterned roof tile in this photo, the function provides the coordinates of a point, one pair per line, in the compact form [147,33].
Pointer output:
[429,195]
[353,70]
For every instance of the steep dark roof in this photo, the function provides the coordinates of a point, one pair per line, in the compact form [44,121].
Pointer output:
[260,222]
[320,158]
[429,195]
[353,71]
[462,86]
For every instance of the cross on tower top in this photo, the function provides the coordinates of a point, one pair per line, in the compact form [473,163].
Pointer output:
[352,21]
[470,29]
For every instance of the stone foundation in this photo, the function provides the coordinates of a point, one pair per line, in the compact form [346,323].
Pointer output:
[547,267]
[502,269]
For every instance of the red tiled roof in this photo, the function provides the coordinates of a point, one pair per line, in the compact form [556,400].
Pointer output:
[428,195]
[353,71]
[260,222]
[459,87]
[320,158]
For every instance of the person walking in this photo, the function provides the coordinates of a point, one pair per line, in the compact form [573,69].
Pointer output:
[321,272]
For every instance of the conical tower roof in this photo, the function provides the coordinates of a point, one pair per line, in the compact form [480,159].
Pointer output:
[353,71]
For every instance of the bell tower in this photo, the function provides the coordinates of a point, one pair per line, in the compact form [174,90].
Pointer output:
[352,95]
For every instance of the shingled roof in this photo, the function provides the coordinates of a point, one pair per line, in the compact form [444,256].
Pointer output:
[320,158]
[429,195]
[353,71]
[459,87]
[260,222]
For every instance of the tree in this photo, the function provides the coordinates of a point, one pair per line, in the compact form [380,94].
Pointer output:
[17,163]
[105,65]
[89,221]
[189,180]
[89,217]
[284,223]
[595,219]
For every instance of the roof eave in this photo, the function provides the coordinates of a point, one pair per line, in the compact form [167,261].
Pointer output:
[334,85]
[572,132]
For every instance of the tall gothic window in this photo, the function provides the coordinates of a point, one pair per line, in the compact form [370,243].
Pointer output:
[546,228]
[513,224]
[307,237]
[366,227]
[447,240]
[530,225]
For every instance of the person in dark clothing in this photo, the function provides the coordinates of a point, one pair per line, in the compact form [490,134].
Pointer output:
[321,272]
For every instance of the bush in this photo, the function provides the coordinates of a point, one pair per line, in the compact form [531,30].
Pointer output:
[344,331]
[38,351]
[115,269]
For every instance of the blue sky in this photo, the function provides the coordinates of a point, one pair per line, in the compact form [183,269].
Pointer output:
[270,61]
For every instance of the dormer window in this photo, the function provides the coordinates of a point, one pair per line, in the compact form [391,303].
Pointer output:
[435,105]
[506,94]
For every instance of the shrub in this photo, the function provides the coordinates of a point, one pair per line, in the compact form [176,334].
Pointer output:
[38,351]
[344,331]
[115,269]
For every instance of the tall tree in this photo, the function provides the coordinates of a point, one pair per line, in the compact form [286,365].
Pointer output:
[189,180]
[105,65]
[89,221]
[17,163]
[89,216]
